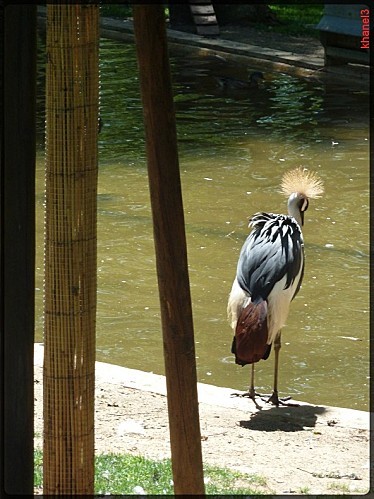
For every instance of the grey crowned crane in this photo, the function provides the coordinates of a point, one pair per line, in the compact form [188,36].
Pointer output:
[269,275]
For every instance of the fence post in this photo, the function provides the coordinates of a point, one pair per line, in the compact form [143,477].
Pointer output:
[170,246]
[72,88]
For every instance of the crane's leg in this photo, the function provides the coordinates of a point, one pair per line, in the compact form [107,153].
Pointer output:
[274,399]
[251,390]
[251,393]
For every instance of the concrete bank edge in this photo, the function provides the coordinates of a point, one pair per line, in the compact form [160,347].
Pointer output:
[214,395]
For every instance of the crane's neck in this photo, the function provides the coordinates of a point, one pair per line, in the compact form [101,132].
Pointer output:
[297,204]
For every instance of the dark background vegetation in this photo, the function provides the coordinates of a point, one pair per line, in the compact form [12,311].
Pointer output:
[289,19]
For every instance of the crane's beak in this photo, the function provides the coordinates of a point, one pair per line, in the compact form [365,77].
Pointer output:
[302,217]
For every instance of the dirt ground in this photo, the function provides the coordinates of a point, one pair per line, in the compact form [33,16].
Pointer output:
[305,449]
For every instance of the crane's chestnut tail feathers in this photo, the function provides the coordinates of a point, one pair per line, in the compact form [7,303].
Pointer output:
[251,334]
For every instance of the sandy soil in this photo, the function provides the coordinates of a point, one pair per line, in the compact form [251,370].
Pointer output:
[310,449]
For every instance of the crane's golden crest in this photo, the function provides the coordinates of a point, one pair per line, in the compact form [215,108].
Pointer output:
[303,181]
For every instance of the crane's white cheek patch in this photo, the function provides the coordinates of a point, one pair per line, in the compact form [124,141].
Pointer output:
[305,205]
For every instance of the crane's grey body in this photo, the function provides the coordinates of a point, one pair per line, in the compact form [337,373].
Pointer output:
[274,249]
[270,268]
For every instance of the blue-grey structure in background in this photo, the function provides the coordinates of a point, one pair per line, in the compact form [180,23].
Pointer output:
[345,33]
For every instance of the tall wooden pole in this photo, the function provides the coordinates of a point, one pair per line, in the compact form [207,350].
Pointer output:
[72,87]
[17,254]
[170,246]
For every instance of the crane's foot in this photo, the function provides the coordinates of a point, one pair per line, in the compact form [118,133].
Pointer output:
[249,394]
[275,400]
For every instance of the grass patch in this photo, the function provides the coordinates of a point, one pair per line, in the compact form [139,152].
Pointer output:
[116,10]
[304,490]
[38,468]
[126,474]
[297,19]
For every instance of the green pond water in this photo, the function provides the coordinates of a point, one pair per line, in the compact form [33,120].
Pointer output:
[233,150]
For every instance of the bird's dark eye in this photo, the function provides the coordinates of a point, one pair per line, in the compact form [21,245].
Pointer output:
[303,204]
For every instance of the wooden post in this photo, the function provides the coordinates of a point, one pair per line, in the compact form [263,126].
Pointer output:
[17,234]
[72,88]
[170,246]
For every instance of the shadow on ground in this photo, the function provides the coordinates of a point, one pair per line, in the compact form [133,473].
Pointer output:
[284,418]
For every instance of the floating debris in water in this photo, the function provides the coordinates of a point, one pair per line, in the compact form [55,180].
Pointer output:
[353,338]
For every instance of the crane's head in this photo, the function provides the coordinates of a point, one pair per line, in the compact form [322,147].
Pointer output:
[299,185]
